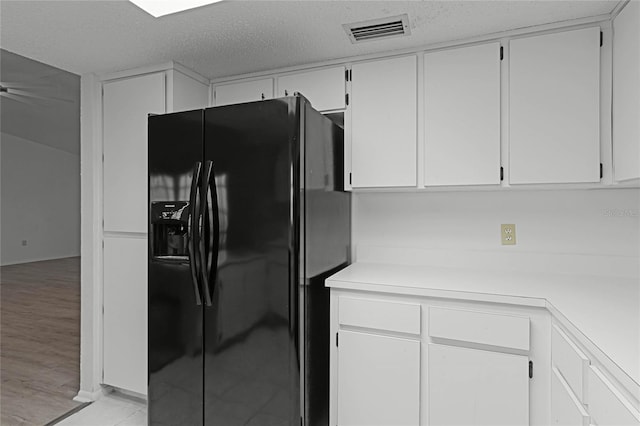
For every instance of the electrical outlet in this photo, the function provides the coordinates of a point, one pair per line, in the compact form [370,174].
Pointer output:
[24,242]
[508,234]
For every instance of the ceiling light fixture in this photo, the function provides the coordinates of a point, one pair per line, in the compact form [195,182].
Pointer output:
[157,8]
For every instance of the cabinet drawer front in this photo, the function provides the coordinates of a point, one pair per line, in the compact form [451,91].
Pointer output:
[606,405]
[570,361]
[566,409]
[378,314]
[479,327]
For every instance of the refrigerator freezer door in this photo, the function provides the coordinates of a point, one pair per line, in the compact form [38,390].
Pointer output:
[175,314]
[252,365]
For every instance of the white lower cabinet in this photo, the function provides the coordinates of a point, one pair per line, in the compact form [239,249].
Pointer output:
[378,380]
[125,313]
[404,361]
[607,405]
[477,387]
[416,360]
[566,409]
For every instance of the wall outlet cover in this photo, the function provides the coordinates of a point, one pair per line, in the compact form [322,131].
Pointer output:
[508,234]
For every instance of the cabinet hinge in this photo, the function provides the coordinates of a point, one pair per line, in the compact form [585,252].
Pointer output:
[501,173]
[346,98]
[501,52]
[346,75]
[349,178]
[531,369]
[601,171]
[336,339]
[350,75]
[601,38]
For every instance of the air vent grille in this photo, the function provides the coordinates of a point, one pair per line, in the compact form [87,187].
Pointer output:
[394,26]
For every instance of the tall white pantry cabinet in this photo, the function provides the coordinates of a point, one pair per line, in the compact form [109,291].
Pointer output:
[127,100]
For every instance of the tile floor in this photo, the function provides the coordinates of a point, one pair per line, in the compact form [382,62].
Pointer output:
[111,410]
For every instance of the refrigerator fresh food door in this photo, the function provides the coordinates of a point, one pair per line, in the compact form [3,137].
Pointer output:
[251,238]
[175,299]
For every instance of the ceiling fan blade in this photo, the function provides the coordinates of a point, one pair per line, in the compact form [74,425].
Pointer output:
[20,99]
[19,92]
[16,85]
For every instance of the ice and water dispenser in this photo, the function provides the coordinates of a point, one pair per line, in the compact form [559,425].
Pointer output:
[170,230]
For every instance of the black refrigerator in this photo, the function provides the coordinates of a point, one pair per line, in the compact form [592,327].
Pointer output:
[247,217]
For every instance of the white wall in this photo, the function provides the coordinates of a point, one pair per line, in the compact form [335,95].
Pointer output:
[576,222]
[40,188]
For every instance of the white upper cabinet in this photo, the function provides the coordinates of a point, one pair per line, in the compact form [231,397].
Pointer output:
[384,123]
[185,93]
[554,108]
[324,88]
[462,116]
[626,93]
[244,91]
[126,105]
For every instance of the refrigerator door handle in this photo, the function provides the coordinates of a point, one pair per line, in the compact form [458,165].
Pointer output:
[193,256]
[214,237]
[206,258]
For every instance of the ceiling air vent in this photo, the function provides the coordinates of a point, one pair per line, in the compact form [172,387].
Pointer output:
[393,26]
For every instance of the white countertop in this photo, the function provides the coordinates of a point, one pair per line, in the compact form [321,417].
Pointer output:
[606,310]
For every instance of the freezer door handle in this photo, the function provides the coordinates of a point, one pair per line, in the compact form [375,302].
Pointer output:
[209,226]
[192,247]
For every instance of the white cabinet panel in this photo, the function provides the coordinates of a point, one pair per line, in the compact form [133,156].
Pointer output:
[126,105]
[570,361]
[187,93]
[554,108]
[324,88]
[475,387]
[626,93]
[462,116]
[244,91]
[125,313]
[606,405]
[384,123]
[566,410]
[378,380]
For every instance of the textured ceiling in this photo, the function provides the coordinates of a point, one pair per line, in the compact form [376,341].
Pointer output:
[237,37]
[51,114]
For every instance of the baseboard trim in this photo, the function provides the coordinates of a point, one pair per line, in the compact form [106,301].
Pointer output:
[86,396]
[140,397]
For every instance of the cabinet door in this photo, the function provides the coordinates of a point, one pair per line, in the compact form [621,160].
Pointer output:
[324,88]
[187,93]
[378,380]
[245,91]
[626,93]
[462,116]
[125,313]
[383,123]
[126,105]
[554,108]
[477,387]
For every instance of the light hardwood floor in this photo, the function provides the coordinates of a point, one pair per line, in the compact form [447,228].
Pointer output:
[39,340]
